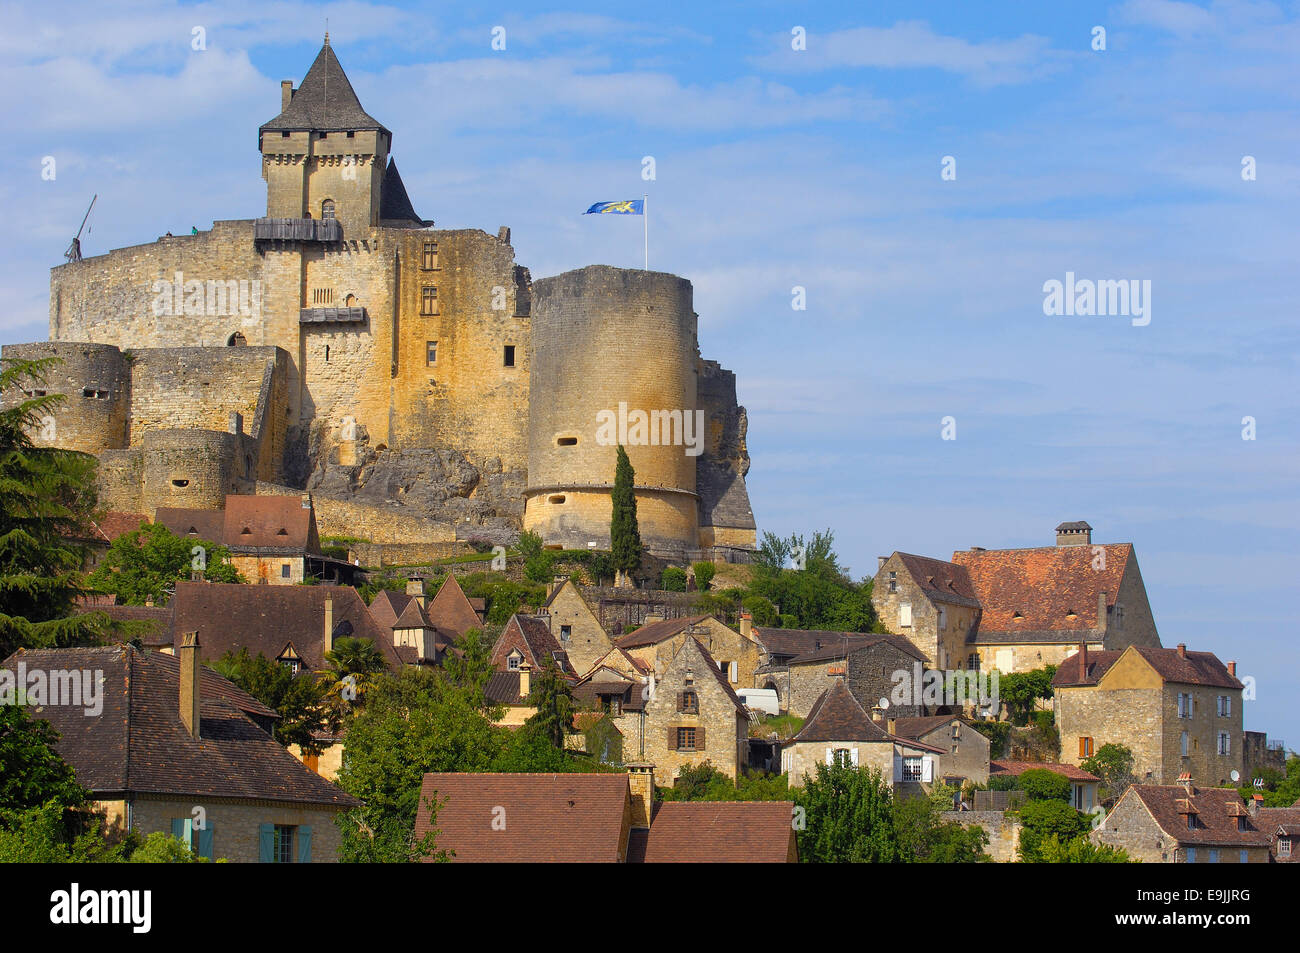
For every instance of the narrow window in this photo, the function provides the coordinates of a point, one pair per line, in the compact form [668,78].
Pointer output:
[566,632]
[326,207]
[431,353]
[327,353]
[685,739]
[430,258]
[566,441]
[429,300]
[690,703]
[510,355]
[555,499]
[284,571]
[284,843]
[893,582]
[905,614]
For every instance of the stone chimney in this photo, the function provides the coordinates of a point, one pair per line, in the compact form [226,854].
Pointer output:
[641,780]
[525,679]
[746,624]
[329,625]
[286,93]
[1256,802]
[892,725]
[1232,669]
[880,562]
[878,715]
[1182,650]
[190,696]
[415,587]
[1103,601]
[306,501]
[1077,533]
[1185,779]
[1083,660]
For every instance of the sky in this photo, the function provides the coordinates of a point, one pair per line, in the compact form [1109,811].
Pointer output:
[1170,156]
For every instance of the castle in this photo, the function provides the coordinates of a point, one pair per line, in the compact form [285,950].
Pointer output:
[417,381]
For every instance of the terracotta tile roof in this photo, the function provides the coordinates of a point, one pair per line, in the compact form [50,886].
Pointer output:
[451,612]
[139,745]
[841,648]
[267,619]
[1017,768]
[918,728]
[941,580]
[532,636]
[726,832]
[412,617]
[159,634]
[116,524]
[387,605]
[1216,811]
[837,716]
[554,818]
[1035,590]
[249,522]
[1195,668]
[652,633]
[200,524]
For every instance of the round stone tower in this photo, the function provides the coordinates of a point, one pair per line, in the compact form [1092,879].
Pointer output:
[95,380]
[613,361]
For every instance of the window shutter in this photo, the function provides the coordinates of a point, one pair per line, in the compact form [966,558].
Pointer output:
[266,844]
[830,757]
[178,829]
[699,738]
[205,842]
[681,701]
[898,768]
[927,769]
[672,739]
[853,753]
[304,844]
[732,674]
[1083,747]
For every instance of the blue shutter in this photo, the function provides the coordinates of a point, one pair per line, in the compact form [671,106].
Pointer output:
[178,828]
[266,844]
[304,844]
[205,842]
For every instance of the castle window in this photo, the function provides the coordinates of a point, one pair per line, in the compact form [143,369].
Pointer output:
[566,441]
[326,207]
[555,499]
[430,260]
[352,135]
[236,340]
[284,134]
[429,299]
[510,355]
[431,353]
[327,353]
[1225,743]
[689,703]
[181,484]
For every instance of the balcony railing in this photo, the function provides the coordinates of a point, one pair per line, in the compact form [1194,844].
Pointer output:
[297,230]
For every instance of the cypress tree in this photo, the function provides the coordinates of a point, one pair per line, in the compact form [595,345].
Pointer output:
[624,535]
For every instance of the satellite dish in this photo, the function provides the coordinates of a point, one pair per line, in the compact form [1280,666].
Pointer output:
[884,703]
[1235,775]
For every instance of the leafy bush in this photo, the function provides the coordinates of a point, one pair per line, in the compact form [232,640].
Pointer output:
[704,573]
[673,579]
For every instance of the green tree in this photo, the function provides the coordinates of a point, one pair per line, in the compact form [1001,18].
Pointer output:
[1044,819]
[414,722]
[848,817]
[672,579]
[553,700]
[624,533]
[51,834]
[1039,784]
[925,837]
[1019,691]
[145,564]
[469,665]
[354,656]
[704,573]
[47,497]
[301,700]
[31,771]
[160,848]
[1113,763]
[1079,850]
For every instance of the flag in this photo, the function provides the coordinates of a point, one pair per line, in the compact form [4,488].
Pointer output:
[631,207]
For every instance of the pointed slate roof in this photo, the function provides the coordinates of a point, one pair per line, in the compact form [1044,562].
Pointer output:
[325,101]
[394,204]
[837,716]
[451,612]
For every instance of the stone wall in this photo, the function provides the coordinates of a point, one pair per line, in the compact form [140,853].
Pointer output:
[1003,830]
[799,761]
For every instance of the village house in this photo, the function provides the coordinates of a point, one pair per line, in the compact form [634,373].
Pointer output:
[1282,824]
[658,642]
[596,818]
[1083,785]
[1037,605]
[510,690]
[965,752]
[802,663]
[96,536]
[180,750]
[693,715]
[426,629]
[1179,712]
[1183,824]
[575,626]
[839,731]
[930,602]
[528,639]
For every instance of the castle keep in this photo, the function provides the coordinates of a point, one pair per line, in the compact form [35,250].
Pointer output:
[416,380]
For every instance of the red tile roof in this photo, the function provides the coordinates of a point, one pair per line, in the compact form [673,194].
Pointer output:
[716,832]
[555,818]
[1193,668]
[249,522]
[652,633]
[1216,811]
[837,716]
[531,635]
[1035,590]
[1017,768]
[941,580]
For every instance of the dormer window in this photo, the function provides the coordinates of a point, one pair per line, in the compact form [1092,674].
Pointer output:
[1017,616]
[282,532]
[246,532]
[513,661]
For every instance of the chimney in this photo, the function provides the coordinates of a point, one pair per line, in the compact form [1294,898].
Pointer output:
[746,624]
[329,625]
[893,725]
[878,715]
[1232,669]
[1103,599]
[1185,779]
[978,549]
[190,696]
[306,501]
[551,587]
[1083,660]
[880,562]
[525,680]
[641,781]
[286,93]
[1182,650]
[1078,533]
[415,587]
[1256,802]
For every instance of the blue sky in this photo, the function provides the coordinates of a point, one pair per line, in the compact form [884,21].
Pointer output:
[818,168]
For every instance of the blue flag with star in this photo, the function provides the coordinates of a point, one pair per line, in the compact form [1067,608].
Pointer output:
[631,207]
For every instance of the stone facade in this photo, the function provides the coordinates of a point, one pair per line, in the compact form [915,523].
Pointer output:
[235,825]
[965,751]
[735,654]
[1003,831]
[416,371]
[576,627]
[799,760]
[938,626]
[718,716]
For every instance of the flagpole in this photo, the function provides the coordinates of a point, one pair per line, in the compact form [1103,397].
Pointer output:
[645,214]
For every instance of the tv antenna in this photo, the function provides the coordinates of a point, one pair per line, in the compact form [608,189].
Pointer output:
[74,250]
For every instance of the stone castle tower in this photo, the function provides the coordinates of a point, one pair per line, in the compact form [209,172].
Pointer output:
[416,380]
